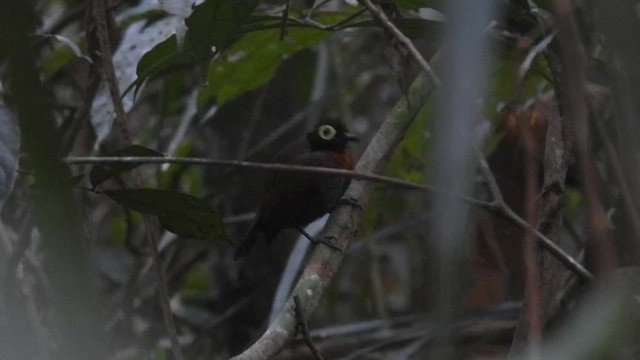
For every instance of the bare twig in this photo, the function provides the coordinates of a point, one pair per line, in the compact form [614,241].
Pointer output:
[497,206]
[303,325]
[548,244]
[403,39]
[106,57]
[106,64]
[537,50]
[613,159]
[251,165]
[346,20]
[285,17]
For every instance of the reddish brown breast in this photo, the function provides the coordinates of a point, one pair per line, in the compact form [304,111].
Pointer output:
[343,159]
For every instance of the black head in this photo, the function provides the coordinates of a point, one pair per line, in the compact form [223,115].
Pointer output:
[330,135]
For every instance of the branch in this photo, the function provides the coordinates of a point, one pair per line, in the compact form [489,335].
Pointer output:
[106,64]
[404,40]
[107,67]
[253,165]
[573,62]
[497,206]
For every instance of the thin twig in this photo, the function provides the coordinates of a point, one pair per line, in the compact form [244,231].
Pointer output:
[106,57]
[497,206]
[345,20]
[537,50]
[250,165]
[303,326]
[405,41]
[285,17]
[616,169]
[106,63]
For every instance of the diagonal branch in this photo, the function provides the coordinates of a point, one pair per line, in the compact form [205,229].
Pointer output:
[403,39]
[342,224]
[500,207]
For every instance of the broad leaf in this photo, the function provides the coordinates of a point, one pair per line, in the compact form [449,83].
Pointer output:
[253,60]
[156,60]
[103,172]
[180,213]
[213,25]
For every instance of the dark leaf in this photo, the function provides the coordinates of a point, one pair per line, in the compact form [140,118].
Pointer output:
[253,59]
[180,213]
[103,172]
[213,25]
[9,145]
[154,61]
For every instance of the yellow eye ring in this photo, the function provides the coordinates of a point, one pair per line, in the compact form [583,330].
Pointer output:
[326,132]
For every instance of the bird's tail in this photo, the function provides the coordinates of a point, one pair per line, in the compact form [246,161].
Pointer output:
[248,242]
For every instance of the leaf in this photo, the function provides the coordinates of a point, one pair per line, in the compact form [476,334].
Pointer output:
[179,213]
[103,172]
[69,44]
[213,25]
[139,38]
[62,56]
[9,146]
[162,56]
[253,60]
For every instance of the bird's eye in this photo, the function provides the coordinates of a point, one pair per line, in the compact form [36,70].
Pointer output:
[326,132]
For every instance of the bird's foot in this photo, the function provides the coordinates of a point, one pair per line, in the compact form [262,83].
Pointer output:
[330,241]
[350,202]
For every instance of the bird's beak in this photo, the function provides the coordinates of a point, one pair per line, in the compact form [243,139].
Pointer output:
[351,137]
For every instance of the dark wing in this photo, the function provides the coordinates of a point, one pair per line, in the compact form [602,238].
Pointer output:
[295,199]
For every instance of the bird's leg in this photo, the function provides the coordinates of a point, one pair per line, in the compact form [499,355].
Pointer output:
[329,241]
[351,202]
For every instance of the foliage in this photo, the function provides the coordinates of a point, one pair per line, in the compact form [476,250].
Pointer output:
[238,80]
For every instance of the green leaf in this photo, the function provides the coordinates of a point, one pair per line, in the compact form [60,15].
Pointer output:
[253,60]
[162,56]
[213,25]
[179,213]
[103,172]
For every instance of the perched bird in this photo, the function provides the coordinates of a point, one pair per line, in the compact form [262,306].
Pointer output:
[295,199]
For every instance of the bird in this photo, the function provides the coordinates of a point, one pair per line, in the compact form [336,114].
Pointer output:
[295,199]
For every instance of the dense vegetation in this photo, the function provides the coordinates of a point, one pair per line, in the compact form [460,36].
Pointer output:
[504,220]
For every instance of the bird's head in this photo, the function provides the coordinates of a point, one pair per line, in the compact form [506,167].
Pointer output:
[330,135]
